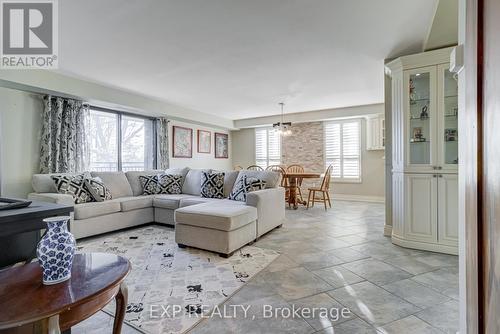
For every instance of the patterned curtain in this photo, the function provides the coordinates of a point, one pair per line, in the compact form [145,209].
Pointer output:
[64,141]
[162,157]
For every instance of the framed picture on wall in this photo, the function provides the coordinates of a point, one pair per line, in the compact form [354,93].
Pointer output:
[204,141]
[221,145]
[182,143]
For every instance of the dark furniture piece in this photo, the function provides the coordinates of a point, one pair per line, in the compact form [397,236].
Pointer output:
[28,306]
[20,230]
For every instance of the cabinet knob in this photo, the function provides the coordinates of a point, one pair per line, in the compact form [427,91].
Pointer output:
[440,175]
[439,167]
[434,175]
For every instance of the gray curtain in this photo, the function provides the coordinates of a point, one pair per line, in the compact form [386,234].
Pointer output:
[162,157]
[64,140]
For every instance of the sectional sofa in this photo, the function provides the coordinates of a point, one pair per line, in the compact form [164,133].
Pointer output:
[219,225]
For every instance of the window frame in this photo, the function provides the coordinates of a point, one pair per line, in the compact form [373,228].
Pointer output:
[343,179]
[268,129]
[119,114]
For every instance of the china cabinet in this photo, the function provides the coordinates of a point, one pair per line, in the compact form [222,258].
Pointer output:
[425,152]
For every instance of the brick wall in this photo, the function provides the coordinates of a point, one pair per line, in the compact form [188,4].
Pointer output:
[305,147]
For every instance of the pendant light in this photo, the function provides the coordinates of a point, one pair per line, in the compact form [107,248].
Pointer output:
[283,128]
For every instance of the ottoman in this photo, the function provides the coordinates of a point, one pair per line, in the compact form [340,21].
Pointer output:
[220,228]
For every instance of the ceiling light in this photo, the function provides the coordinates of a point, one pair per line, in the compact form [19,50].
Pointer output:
[283,128]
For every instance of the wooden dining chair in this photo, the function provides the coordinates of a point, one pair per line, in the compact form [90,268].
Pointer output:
[323,189]
[254,167]
[296,169]
[283,181]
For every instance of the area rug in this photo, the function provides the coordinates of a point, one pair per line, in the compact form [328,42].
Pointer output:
[165,277]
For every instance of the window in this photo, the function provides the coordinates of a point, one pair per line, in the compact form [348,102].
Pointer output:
[120,142]
[342,149]
[267,147]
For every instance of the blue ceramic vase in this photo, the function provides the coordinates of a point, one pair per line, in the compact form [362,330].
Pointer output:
[55,251]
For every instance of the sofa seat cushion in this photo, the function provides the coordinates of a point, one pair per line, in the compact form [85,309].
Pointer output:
[169,201]
[221,217]
[134,203]
[95,209]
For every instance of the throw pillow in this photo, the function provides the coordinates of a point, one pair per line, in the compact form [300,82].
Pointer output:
[161,184]
[74,186]
[212,185]
[149,184]
[169,184]
[98,189]
[244,186]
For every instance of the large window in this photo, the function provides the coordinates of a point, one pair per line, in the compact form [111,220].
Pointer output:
[267,147]
[342,149]
[120,142]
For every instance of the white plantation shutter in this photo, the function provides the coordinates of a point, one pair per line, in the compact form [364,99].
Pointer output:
[343,150]
[267,147]
[261,147]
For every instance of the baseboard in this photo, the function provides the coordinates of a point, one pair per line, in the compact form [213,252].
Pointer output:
[358,198]
[387,230]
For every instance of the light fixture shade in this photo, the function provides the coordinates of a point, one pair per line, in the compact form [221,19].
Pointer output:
[283,128]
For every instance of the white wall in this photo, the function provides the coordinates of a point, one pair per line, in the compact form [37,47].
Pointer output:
[19,141]
[243,151]
[43,81]
[200,160]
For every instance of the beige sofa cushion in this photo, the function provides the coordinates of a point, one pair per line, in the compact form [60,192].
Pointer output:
[95,209]
[218,217]
[135,183]
[134,203]
[192,182]
[271,178]
[169,201]
[116,182]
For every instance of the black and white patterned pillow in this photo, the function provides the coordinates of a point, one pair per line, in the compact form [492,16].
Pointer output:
[98,189]
[212,185]
[244,186]
[149,184]
[161,184]
[74,186]
[169,184]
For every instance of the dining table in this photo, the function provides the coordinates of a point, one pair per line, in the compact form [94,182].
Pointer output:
[294,181]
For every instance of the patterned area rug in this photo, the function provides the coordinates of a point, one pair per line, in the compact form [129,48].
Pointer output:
[165,277]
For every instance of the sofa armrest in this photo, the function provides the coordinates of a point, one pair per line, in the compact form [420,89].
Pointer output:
[52,198]
[270,204]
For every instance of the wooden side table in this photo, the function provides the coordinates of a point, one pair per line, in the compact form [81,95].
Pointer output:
[28,306]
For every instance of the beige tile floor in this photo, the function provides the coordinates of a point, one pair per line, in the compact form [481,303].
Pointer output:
[339,259]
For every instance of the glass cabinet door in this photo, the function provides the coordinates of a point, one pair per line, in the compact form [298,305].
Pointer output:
[421,114]
[448,127]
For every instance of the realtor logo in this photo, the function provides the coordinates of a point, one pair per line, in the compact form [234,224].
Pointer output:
[29,34]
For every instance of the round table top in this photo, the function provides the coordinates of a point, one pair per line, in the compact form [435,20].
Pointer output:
[305,175]
[24,299]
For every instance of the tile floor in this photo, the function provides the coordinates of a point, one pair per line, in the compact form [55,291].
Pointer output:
[339,259]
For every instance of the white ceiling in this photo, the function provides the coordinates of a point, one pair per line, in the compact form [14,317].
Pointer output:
[239,58]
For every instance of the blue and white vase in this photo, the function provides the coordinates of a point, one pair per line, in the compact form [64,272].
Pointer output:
[55,251]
